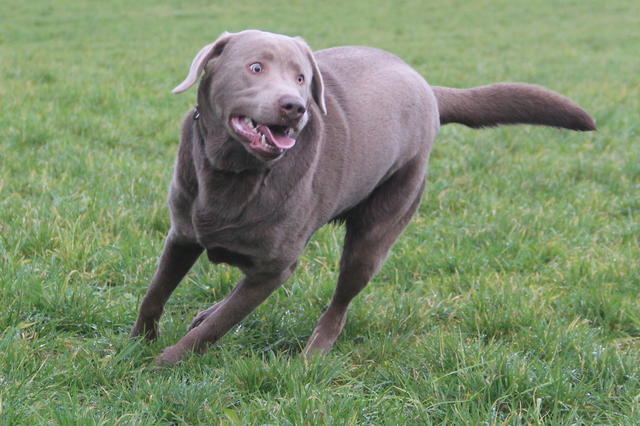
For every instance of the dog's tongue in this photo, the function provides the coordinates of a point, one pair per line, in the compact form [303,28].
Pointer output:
[278,139]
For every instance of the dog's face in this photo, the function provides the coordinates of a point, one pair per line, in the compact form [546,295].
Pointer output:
[260,86]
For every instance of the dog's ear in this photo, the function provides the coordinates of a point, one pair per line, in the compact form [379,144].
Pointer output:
[317,83]
[205,54]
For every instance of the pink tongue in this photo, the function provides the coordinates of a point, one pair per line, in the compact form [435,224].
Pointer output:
[280,140]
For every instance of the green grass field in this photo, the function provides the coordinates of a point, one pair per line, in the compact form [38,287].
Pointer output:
[511,299]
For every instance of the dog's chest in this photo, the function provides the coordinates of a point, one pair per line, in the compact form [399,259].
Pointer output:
[242,233]
[248,245]
[218,224]
[243,219]
[222,255]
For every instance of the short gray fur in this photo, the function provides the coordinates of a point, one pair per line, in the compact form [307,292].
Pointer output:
[364,124]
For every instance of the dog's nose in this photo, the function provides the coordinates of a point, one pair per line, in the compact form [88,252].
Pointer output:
[292,107]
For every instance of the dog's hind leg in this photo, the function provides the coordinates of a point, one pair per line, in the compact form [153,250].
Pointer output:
[175,262]
[372,228]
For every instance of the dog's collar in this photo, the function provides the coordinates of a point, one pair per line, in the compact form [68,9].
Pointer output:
[195,117]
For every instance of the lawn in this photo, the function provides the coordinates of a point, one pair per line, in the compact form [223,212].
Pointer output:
[512,298]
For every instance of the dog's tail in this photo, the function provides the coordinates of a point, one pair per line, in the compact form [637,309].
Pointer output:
[510,103]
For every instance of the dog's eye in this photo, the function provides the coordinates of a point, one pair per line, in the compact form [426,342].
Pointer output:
[256,67]
[301,79]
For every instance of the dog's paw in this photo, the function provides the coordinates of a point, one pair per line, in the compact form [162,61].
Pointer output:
[201,316]
[325,334]
[170,356]
[146,329]
[317,346]
[197,320]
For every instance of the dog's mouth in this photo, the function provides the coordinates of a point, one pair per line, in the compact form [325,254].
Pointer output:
[267,140]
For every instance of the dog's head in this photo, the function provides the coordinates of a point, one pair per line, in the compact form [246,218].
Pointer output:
[261,86]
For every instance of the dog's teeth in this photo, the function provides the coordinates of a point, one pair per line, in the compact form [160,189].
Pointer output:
[263,140]
[250,123]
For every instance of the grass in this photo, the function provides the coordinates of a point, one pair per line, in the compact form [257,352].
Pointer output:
[512,298]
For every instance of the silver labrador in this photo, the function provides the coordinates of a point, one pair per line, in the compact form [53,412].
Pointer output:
[283,141]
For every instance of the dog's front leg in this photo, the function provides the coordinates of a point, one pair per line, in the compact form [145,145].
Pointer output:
[176,260]
[250,292]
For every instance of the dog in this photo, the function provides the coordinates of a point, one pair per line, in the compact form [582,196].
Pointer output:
[283,141]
